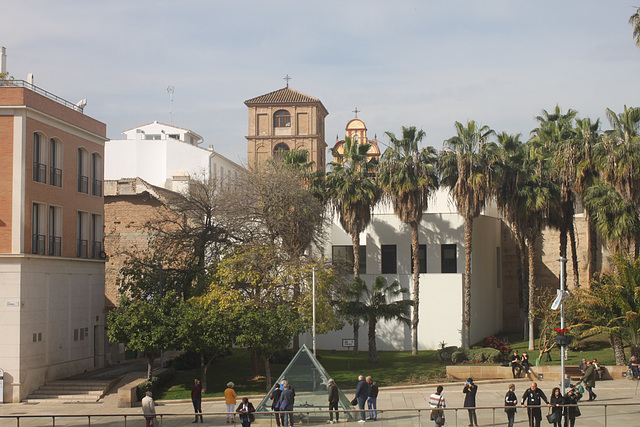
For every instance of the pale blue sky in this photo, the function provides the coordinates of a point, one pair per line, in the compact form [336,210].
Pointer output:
[424,63]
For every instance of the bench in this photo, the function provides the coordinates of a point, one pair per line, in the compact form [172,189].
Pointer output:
[573,373]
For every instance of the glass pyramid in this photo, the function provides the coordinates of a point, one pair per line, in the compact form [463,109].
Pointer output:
[309,380]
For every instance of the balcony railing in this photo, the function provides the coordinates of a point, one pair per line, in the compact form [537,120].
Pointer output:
[55,177]
[96,250]
[37,244]
[83,184]
[55,246]
[39,172]
[36,89]
[96,188]
[83,249]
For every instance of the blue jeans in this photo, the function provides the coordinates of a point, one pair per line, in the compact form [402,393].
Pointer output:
[361,402]
[371,404]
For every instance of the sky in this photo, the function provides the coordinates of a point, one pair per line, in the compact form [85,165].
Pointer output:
[403,63]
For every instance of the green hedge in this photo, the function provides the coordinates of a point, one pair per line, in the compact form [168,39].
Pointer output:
[155,384]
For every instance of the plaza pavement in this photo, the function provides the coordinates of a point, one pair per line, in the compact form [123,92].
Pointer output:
[401,406]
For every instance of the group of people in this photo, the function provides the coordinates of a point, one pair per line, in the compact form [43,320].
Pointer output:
[367,394]
[519,363]
[283,397]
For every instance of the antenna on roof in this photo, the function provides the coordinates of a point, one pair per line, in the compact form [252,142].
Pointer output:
[287,78]
[170,92]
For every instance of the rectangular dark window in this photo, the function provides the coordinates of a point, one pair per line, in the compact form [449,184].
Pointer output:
[422,258]
[389,259]
[55,172]
[38,229]
[344,255]
[83,243]
[55,221]
[449,255]
[39,168]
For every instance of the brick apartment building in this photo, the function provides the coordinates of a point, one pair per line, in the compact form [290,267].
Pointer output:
[51,239]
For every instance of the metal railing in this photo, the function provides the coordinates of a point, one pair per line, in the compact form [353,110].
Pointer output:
[38,244]
[83,249]
[40,172]
[96,249]
[96,187]
[55,177]
[607,414]
[83,184]
[55,246]
[38,90]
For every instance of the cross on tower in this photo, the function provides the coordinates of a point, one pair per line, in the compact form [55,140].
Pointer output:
[357,111]
[287,78]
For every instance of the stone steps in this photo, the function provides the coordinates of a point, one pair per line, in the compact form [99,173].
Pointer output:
[70,391]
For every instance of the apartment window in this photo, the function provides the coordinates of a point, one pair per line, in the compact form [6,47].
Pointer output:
[39,157]
[152,137]
[422,258]
[96,236]
[281,118]
[389,259]
[83,235]
[83,171]
[55,231]
[96,174]
[279,149]
[449,258]
[38,229]
[55,163]
[344,255]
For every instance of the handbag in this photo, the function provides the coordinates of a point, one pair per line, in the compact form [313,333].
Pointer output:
[354,401]
[553,417]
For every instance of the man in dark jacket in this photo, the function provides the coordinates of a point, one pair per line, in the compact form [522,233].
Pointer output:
[275,397]
[533,397]
[362,392]
[372,399]
[589,380]
[196,399]
[334,397]
[287,399]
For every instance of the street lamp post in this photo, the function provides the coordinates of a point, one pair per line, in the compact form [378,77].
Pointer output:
[563,262]
[313,291]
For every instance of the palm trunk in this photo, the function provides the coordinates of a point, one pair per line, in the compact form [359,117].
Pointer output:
[415,246]
[618,350]
[355,239]
[592,244]
[521,275]
[466,332]
[373,351]
[532,286]
[574,256]
[563,249]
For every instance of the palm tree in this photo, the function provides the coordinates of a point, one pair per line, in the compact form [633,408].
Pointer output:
[635,21]
[353,192]
[464,170]
[408,177]
[382,302]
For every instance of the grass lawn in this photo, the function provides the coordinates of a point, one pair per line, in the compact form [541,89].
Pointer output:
[394,368]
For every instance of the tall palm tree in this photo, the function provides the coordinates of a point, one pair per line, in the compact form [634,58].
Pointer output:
[635,21]
[384,301]
[353,191]
[408,177]
[464,170]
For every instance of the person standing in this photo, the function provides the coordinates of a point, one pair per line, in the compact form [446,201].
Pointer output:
[571,412]
[598,369]
[245,410]
[275,398]
[589,380]
[287,399]
[149,409]
[510,403]
[334,398]
[372,400]
[582,366]
[557,400]
[531,399]
[470,390]
[196,399]
[230,397]
[362,393]
[515,364]
[436,403]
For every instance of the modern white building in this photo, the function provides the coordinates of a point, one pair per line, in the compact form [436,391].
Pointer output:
[165,156]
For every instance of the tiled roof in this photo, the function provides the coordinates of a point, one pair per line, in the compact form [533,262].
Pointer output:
[285,95]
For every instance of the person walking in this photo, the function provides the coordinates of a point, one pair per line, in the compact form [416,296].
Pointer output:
[245,410]
[470,390]
[437,403]
[515,364]
[510,403]
[230,397]
[589,380]
[531,399]
[372,400]
[334,398]
[196,399]
[287,399]
[362,393]
[275,398]
[149,409]
[557,402]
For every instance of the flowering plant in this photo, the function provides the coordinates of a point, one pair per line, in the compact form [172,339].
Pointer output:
[561,331]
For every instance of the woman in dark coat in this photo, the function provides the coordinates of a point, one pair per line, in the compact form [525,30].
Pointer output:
[510,402]
[556,401]
[571,412]
[470,390]
[245,410]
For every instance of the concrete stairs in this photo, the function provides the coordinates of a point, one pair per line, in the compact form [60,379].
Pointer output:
[85,391]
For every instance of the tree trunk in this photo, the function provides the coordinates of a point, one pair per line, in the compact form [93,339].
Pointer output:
[466,317]
[203,372]
[150,359]
[373,351]
[563,249]
[592,244]
[522,277]
[254,363]
[205,368]
[532,286]
[267,369]
[618,350]
[574,256]
[415,246]
[355,239]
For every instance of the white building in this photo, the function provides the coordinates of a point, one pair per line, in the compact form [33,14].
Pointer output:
[163,155]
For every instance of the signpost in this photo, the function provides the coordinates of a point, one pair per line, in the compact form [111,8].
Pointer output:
[348,343]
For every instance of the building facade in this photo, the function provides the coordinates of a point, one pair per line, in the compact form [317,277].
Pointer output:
[51,234]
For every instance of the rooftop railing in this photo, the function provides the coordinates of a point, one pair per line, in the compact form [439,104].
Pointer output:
[36,89]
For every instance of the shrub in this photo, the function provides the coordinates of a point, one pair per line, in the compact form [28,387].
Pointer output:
[155,384]
[501,345]
[459,356]
[479,355]
[443,355]
[185,362]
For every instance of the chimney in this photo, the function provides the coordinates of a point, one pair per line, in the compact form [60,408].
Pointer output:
[30,78]
[3,62]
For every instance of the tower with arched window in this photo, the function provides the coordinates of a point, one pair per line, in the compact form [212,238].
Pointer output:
[282,121]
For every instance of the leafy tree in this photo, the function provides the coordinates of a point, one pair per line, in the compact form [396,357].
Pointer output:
[548,320]
[464,167]
[145,325]
[353,192]
[383,301]
[408,177]
[635,21]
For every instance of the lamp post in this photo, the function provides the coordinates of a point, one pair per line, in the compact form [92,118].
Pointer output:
[563,262]
[313,291]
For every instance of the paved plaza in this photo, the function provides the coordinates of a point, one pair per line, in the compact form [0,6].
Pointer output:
[401,406]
